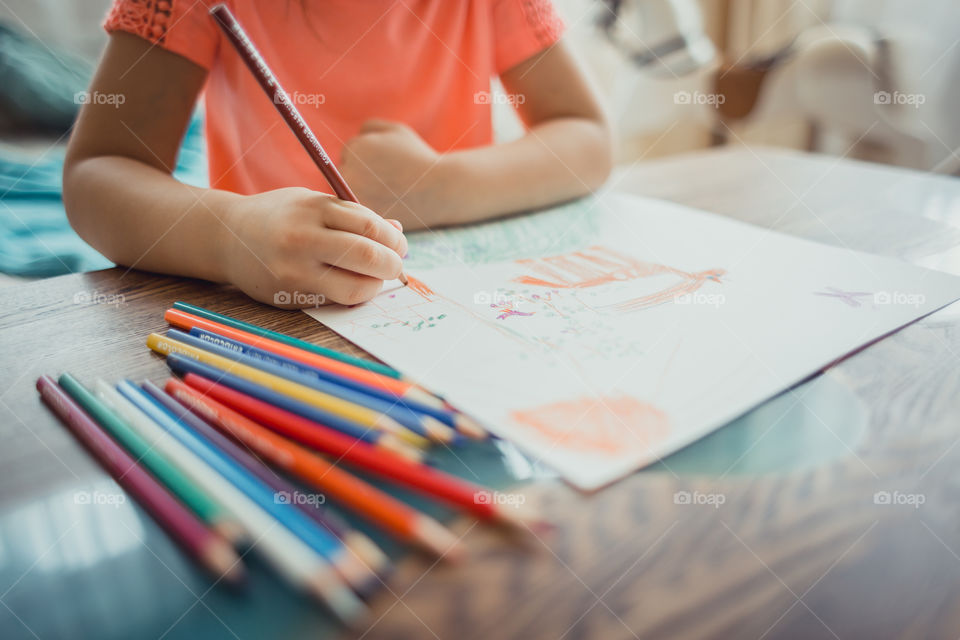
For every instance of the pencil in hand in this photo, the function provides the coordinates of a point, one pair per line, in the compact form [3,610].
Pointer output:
[258,67]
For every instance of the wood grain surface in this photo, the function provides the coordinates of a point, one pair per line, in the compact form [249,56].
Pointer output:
[803,554]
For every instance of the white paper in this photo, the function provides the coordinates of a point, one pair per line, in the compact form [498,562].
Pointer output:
[651,325]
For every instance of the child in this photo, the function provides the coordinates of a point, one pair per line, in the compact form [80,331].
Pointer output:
[396,91]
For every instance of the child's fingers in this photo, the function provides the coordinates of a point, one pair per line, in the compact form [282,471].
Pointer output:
[346,287]
[354,218]
[359,254]
[396,223]
[374,125]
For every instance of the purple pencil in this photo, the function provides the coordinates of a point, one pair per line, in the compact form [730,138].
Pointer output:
[357,542]
[208,548]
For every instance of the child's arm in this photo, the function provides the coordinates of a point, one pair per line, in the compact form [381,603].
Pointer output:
[565,154]
[121,198]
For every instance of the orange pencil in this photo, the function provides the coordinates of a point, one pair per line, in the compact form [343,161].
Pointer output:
[399,388]
[394,516]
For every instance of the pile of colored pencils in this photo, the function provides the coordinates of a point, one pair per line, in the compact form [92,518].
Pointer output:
[204,453]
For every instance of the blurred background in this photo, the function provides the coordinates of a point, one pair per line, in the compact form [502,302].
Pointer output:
[874,80]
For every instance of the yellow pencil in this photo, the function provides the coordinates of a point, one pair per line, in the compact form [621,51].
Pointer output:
[355,413]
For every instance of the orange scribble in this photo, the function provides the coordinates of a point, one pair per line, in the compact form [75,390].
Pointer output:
[420,288]
[606,425]
[598,265]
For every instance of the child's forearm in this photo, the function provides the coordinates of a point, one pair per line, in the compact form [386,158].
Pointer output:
[557,160]
[139,216]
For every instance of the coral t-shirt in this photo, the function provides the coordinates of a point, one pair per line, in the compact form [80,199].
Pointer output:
[427,63]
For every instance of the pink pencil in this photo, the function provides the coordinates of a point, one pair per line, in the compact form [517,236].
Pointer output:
[207,547]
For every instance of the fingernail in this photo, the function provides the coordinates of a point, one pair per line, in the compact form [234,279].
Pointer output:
[397,224]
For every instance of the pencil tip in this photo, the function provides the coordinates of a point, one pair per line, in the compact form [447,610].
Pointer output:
[403,279]
[343,602]
[231,531]
[224,562]
[368,552]
[470,428]
[439,540]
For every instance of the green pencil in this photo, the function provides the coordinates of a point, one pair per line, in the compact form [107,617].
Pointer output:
[282,337]
[165,471]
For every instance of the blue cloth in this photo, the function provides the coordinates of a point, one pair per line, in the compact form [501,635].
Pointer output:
[35,237]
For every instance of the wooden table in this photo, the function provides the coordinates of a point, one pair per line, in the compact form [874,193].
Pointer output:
[804,553]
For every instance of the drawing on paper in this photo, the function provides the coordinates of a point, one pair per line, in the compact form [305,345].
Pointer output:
[847,297]
[598,265]
[418,287]
[599,425]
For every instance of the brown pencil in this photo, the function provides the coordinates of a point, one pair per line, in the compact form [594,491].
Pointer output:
[258,67]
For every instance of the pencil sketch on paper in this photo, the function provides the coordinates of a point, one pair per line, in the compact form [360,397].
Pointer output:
[849,298]
[596,424]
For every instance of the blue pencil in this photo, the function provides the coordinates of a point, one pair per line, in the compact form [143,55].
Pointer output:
[319,513]
[320,540]
[446,416]
[183,365]
[422,425]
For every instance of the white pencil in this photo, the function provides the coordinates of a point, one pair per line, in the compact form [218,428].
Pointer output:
[289,555]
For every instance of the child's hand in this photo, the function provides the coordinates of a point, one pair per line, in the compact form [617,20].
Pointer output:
[394,172]
[296,248]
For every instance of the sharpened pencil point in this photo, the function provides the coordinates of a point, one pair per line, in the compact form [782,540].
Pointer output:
[438,540]
[403,279]
[224,562]
[327,587]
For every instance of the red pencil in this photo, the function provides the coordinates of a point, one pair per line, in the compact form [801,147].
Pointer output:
[481,502]
[353,493]
[258,67]
[211,550]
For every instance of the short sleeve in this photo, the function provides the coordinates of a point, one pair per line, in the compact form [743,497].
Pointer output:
[184,27]
[522,29]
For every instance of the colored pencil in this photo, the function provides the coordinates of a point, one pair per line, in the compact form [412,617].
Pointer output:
[423,425]
[289,555]
[208,548]
[449,417]
[355,494]
[479,501]
[362,416]
[216,486]
[318,539]
[400,388]
[271,86]
[358,543]
[163,468]
[285,339]
[182,365]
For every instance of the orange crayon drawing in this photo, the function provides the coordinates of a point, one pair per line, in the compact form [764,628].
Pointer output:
[605,425]
[598,265]
[420,288]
